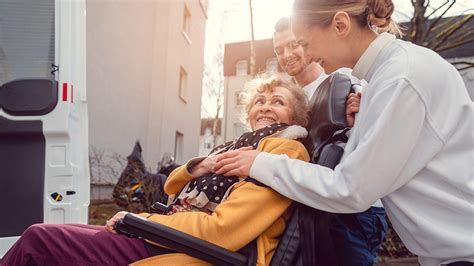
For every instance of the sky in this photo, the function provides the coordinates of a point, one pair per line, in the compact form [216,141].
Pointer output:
[233,16]
[229,20]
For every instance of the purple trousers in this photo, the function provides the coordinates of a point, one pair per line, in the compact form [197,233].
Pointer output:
[73,244]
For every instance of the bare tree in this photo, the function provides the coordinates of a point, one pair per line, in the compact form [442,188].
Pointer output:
[214,89]
[115,166]
[96,162]
[105,168]
[429,27]
[252,43]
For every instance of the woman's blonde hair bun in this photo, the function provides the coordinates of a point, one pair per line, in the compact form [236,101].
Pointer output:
[379,16]
[376,14]
[380,12]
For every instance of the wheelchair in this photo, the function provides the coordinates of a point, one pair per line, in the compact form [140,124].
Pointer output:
[326,128]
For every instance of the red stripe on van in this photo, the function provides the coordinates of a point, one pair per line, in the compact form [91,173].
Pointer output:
[72,93]
[64,92]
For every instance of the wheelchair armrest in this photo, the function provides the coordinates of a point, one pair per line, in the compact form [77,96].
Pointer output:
[181,242]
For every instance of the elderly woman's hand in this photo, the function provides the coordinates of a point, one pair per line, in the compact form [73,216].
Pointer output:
[109,224]
[352,107]
[236,162]
[203,167]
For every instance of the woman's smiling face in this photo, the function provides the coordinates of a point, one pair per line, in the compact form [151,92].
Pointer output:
[271,106]
[317,43]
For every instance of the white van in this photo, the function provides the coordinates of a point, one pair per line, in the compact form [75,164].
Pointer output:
[44,167]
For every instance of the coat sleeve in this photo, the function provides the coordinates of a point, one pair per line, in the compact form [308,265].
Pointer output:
[389,133]
[180,177]
[247,212]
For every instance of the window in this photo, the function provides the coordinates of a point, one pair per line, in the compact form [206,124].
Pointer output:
[241,68]
[178,146]
[239,98]
[27,39]
[272,65]
[186,24]
[183,83]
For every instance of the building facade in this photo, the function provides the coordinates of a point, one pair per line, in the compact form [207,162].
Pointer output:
[207,140]
[144,79]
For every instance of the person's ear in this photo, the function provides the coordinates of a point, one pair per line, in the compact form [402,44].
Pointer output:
[342,23]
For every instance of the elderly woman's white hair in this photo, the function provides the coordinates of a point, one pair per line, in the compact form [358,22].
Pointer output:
[267,82]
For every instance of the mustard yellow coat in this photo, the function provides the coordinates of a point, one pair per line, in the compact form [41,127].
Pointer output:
[250,212]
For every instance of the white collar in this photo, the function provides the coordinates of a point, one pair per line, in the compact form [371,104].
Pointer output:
[292,132]
[310,88]
[365,62]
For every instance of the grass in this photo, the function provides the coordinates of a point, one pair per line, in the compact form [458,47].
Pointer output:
[99,212]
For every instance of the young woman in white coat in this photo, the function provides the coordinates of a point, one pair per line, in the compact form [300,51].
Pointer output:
[412,142]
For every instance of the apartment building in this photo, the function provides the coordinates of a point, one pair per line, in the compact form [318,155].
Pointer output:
[144,80]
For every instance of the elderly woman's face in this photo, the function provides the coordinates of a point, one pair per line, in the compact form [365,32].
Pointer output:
[271,107]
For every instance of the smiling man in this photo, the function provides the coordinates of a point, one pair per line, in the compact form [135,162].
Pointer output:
[356,237]
[291,58]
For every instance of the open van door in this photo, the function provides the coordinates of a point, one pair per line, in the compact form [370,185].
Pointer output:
[44,167]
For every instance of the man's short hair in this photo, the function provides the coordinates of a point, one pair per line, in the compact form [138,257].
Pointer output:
[283,24]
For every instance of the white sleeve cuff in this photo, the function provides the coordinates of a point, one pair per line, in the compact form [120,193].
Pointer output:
[261,168]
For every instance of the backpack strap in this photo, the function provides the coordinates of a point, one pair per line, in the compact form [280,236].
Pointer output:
[340,136]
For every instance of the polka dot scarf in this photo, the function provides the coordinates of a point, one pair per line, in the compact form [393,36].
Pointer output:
[206,192]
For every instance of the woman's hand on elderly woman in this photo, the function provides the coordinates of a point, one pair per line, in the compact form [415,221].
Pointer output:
[110,224]
[236,162]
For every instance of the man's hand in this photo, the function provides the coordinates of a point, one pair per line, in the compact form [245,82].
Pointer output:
[352,107]
[109,224]
[236,163]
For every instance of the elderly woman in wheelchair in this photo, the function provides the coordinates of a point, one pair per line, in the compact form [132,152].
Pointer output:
[232,212]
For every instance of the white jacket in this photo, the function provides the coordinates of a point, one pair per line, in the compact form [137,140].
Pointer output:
[412,145]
